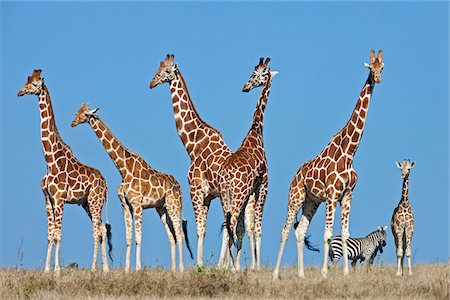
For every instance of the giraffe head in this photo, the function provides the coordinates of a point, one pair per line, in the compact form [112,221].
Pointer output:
[260,75]
[376,65]
[406,166]
[34,84]
[83,115]
[167,71]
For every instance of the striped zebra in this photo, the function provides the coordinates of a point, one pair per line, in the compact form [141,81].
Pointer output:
[364,249]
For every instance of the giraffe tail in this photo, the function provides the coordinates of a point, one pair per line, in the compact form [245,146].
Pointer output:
[188,245]
[230,234]
[108,232]
[309,246]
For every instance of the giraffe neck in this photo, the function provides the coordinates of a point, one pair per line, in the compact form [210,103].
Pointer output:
[258,116]
[187,119]
[116,150]
[352,132]
[52,142]
[405,190]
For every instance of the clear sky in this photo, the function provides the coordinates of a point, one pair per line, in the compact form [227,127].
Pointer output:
[107,53]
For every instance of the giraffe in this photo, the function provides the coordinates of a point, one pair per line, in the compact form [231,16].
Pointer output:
[330,178]
[402,223]
[205,146]
[243,176]
[142,187]
[67,180]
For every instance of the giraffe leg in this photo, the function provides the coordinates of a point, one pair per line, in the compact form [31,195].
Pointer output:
[165,219]
[59,211]
[250,227]
[85,206]
[259,206]
[296,198]
[137,215]
[346,203]
[173,205]
[94,209]
[128,228]
[50,232]
[408,236]
[223,258]
[309,209]
[332,200]
[398,237]
[240,231]
[201,213]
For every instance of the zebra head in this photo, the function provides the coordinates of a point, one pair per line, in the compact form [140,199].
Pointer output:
[381,237]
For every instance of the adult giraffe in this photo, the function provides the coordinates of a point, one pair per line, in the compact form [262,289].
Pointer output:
[67,180]
[204,144]
[330,178]
[142,187]
[243,176]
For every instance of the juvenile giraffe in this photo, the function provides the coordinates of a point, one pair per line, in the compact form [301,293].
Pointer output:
[243,176]
[205,146]
[67,180]
[142,187]
[402,223]
[330,178]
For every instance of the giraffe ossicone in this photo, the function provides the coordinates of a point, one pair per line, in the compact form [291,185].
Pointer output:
[329,177]
[67,180]
[142,187]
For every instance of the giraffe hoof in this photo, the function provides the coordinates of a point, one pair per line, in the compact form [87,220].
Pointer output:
[398,274]
[275,277]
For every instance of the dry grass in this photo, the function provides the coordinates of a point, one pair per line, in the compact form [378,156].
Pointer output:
[428,282]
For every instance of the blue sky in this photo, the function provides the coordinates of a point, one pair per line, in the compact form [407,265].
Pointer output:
[107,53]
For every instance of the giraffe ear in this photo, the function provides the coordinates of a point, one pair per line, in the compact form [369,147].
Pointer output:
[93,111]
[385,227]
[273,73]
[366,65]
[413,164]
[378,227]
[399,165]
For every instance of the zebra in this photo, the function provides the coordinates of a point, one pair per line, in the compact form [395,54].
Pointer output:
[363,249]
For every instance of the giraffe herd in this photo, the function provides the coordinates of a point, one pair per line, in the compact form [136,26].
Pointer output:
[239,179]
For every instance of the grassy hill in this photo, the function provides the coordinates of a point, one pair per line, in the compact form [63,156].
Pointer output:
[428,282]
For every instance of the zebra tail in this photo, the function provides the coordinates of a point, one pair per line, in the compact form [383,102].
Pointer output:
[188,245]
[309,246]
